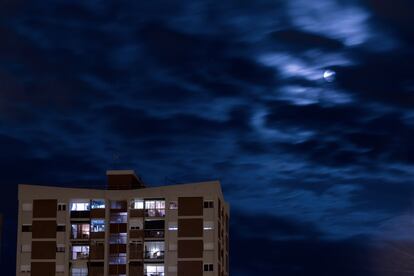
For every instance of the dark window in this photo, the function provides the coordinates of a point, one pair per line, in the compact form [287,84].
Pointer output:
[60,249]
[61,228]
[26,228]
[209,204]
[154,224]
[61,207]
[208,267]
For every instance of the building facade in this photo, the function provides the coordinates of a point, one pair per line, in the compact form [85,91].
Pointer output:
[126,229]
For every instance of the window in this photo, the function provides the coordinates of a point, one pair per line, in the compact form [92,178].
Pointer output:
[26,228]
[173,226]
[61,207]
[27,207]
[155,208]
[97,225]
[154,250]
[208,246]
[26,248]
[79,271]
[208,225]
[120,258]
[121,217]
[60,268]
[154,269]
[79,206]
[61,228]
[120,238]
[80,231]
[173,205]
[25,268]
[118,205]
[98,204]
[137,204]
[80,252]
[60,248]
[209,204]
[208,267]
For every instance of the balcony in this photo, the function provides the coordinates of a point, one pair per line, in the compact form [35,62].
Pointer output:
[154,234]
[97,252]
[136,213]
[80,231]
[136,234]
[97,235]
[118,228]
[136,254]
[80,256]
[118,238]
[117,269]
[115,249]
[155,212]
[154,255]
[97,213]
[80,214]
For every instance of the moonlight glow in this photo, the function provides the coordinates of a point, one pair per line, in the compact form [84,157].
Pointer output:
[329,75]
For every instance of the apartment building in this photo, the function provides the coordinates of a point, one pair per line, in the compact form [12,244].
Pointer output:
[126,229]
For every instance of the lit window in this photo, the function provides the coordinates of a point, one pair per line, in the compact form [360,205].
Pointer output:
[118,259]
[97,225]
[79,271]
[172,226]
[80,231]
[154,269]
[155,208]
[120,217]
[173,205]
[79,206]
[120,238]
[154,250]
[137,204]
[208,225]
[98,204]
[80,252]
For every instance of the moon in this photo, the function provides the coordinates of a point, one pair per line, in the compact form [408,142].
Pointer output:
[329,75]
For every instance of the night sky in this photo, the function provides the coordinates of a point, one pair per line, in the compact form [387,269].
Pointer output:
[318,171]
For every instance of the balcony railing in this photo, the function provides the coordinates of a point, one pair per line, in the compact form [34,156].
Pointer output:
[80,214]
[80,235]
[80,255]
[158,255]
[155,212]
[154,274]
[158,234]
